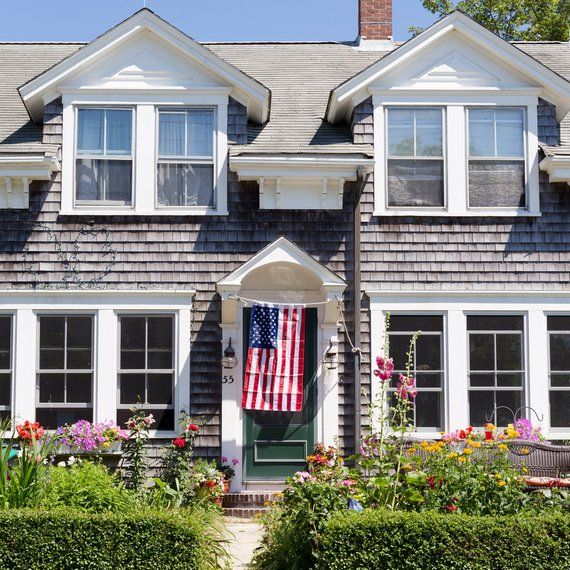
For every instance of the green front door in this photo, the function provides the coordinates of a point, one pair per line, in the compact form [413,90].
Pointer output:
[277,443]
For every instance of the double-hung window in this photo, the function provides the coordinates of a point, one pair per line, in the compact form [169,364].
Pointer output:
[496,367]
[416,171]
[5,366]
[185,165]
[104,157]
[146,368]
[497,176]
[427,365]
[559,370]
[65,374]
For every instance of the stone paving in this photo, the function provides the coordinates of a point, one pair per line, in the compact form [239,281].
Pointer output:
[246,536]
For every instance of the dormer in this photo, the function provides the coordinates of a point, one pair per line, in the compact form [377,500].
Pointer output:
[145,112]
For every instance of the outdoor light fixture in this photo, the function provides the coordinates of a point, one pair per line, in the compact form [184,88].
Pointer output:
[330,359]
[229,360]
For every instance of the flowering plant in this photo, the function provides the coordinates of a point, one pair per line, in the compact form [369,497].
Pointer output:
[29,432]
[88,437]
[134,453]
[228,470]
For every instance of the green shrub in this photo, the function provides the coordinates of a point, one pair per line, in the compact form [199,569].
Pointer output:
[67,539]
[386,540]
[88,487]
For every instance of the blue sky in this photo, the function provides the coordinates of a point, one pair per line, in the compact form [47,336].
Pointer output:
[205,20]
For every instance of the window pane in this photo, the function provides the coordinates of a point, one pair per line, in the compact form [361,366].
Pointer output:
[415,183]
[496,184]
[52,418]
[481,352]
[560,409]
[104,180]
[429,139]
[509,352]
[481,407]
[560,380]
[511,379]
[132,388]
[160,389]
[510,132]
[559,323]
[185,184]
[52,388]
[90,131]
[133,331]
[428,380]
[428,352]
[481,132]
[200,132]
[5,389]
[477,379]
[119,131]
[399,346]
[160,333]
[401,132]
[52,332]
[5,334]
[428,409]
[414,323]
[79,331]
[559,351]
[171,134]
[495,323]
[79,359]
[79,388]
[510,400]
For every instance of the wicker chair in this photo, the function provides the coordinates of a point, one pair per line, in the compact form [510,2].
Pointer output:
[541,459]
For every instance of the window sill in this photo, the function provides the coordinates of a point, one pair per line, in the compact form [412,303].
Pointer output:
[130,213]
[464,214]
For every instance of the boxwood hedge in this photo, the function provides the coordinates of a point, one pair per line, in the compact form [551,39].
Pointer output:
[430,541]
[65,539]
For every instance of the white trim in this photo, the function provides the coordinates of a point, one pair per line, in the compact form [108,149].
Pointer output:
[553,87]
[535,306]
[45,87]
[557,167]
[105,306]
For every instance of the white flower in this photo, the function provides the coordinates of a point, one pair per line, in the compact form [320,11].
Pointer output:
[71,460]
[61,464]
[20,452]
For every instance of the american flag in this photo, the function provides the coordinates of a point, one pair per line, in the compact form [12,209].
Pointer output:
[273,378]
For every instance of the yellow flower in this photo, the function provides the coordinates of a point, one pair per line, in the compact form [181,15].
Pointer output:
[462,459]
[524,469]
[503,447]
[501,483]
[411,450]
[475,444]
[452,455]
[106,444]
[467,451]
[525,450]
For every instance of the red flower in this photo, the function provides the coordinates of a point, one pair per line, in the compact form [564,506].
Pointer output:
[210,483]
[489,436]
[451,508]
[431,481]
[193,427]
[28,431]
[179,442]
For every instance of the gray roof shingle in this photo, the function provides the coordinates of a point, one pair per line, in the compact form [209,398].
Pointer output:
[299,75]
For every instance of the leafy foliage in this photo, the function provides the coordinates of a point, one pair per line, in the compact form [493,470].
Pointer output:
[528,20]
[134,454]
[428,541]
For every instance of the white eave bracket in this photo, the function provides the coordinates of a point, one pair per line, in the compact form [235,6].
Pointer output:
[557,167]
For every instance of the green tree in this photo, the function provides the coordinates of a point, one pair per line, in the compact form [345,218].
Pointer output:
[528,20]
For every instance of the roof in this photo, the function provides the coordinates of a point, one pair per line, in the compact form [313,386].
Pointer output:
[299,75]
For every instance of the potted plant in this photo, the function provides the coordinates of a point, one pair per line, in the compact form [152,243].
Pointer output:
[83,437]
[209,480]
[228,471]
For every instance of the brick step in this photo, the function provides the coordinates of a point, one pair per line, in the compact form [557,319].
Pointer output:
[243,512]
[247,500]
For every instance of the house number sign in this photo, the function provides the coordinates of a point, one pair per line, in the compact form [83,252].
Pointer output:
[228,380]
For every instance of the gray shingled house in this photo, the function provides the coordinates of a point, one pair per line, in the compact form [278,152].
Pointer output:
[153,187]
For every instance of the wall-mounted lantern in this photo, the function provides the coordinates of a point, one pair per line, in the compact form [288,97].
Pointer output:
[229,359]
[330,358]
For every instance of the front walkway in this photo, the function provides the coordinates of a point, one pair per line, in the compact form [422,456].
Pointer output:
[246,536]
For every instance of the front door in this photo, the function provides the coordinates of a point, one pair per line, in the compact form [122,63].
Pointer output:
[277,443]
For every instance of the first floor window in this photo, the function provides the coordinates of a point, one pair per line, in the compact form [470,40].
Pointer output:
[559,370]
[103,156]
[185,168]
[5,366]
[146,368]
[65,373]
[426,365]
[415,157]
[496,368]
[496,158]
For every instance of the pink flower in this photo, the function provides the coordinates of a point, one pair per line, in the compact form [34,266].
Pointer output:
[385,368]
[235,461]
[149,420]
[406,387]
[224,459]
[347,483]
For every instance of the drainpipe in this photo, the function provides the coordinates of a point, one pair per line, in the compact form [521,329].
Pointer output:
[364,174]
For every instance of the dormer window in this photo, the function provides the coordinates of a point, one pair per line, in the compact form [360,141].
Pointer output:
[103,157]
[496,158]
[185,166]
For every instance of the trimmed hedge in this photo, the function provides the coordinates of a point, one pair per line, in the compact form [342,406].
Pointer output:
[66,539]
[429,541]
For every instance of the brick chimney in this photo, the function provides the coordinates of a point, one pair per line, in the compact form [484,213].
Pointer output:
[375,20]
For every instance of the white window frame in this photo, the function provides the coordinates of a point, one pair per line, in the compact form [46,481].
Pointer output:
[455,106]
[186,159]
[10,406]
[443,158]
[144,148]
[104,203]
[563,430]
[105,306]
[146,371]
[524,159]
[456,306]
